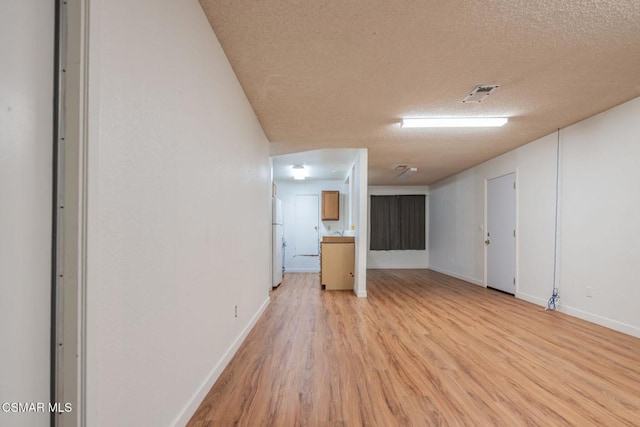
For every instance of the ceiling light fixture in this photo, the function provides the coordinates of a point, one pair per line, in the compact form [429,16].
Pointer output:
[407,172]
[299,172]
[454,122]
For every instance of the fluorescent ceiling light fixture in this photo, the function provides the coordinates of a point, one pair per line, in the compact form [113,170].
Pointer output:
[299,172]
[454,122]
[407,172]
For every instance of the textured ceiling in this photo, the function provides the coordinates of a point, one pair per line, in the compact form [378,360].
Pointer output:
[320,165]
[341,74]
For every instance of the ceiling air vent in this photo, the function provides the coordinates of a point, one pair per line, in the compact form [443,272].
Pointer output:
[479,94]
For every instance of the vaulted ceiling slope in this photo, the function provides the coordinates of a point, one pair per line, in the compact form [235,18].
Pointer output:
[341,74]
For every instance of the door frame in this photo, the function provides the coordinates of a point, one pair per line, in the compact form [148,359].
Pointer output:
[70,213]
[486,225]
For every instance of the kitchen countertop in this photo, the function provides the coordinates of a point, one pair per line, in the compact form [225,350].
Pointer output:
[338,239]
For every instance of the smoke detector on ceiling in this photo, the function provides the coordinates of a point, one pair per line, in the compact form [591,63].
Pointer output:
[479,94]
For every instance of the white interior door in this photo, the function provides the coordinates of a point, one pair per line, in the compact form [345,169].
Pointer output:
[306,228]
[501,233]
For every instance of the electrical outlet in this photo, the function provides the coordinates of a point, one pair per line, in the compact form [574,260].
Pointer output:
[589,291]
[236,311]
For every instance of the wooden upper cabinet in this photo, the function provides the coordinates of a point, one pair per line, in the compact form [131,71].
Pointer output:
[330,205]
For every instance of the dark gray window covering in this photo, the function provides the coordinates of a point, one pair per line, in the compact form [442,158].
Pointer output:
[397,222]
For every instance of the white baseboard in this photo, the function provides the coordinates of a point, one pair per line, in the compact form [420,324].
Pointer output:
[589,317]
[458,276]
[301,270]
[186,414]
[360,294]
[532,299]
[396,267]
[602,321]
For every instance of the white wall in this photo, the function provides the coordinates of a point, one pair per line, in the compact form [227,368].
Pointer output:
[536,192]
[456,220]
[179,222]
[600,224]
[399,259]
[359,175]
[26,135]
[287,192]
[599,229]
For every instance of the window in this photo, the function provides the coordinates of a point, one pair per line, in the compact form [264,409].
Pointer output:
[397,223]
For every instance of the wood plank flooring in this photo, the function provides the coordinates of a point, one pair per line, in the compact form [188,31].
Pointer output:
[422,349]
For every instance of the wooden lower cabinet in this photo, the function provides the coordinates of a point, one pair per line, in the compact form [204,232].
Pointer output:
[337,265]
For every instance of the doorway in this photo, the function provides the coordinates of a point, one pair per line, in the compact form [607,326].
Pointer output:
[500,236]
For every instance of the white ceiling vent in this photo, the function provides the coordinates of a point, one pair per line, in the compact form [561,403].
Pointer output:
[479,94]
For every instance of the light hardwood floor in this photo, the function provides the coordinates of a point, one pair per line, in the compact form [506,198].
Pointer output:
[423,349]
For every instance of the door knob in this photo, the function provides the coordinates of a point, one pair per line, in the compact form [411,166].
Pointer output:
[486,242]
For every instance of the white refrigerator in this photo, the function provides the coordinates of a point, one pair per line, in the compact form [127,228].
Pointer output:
[277,241]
